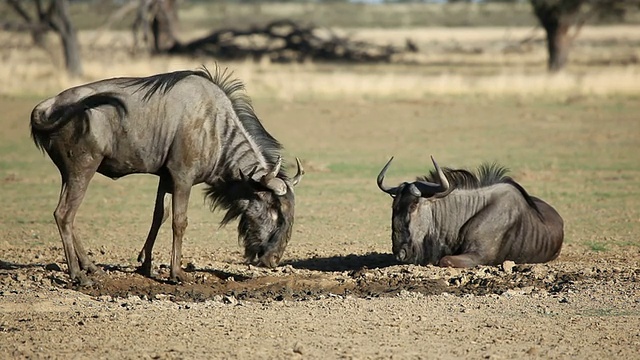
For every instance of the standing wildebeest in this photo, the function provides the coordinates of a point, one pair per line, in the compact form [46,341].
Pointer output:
[186,127]
[456,218]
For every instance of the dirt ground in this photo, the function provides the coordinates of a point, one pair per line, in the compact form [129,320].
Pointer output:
[356,306]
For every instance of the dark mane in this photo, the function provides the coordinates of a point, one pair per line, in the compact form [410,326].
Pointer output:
[226,195]
[486,175]
[163,82]
[233,88]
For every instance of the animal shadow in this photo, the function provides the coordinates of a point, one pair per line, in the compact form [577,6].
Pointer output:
[350,262]
[7,265]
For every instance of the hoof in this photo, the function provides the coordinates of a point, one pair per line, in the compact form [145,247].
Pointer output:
[145,270]
[141,256]
[82,281]
[178,277]
[94,270]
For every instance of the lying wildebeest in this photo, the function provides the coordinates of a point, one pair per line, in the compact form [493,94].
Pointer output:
[459,219]
[186,127]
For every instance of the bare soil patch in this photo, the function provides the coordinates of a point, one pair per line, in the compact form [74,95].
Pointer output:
[357,306]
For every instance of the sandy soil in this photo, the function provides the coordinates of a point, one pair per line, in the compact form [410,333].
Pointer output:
[357,306]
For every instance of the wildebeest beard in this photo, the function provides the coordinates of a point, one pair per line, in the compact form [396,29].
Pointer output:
[264,237]
[266,219]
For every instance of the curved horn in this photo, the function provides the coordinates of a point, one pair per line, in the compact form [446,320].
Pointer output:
[443,179]
[389,190]
[271,181]
[428,189]
[274,172]
[296,179]
[250,176]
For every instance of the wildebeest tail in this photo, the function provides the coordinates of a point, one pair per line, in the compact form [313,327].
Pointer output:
[46,120]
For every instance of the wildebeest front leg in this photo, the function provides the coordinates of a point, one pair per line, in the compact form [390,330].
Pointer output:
[180,204]
[160,214]
[85,263]
[460,261]
[482,235]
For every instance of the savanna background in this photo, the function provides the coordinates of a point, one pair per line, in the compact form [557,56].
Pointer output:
[477,90]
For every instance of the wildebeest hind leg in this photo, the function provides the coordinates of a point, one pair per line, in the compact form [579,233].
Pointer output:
[74,187]
[460,261]
[160,214]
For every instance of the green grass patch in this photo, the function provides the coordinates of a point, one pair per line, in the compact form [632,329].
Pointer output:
[597,246]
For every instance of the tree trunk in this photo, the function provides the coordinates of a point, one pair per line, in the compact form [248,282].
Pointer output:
[163,25]
[557,17]
[71,47]
[558,44]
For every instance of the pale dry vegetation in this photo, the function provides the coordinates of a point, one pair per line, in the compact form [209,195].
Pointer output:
[451,61]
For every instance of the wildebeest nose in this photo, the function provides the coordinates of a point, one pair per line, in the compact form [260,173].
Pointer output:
[270,261]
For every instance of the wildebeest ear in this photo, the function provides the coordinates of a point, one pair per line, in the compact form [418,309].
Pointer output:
[424,189]
[263,195]
[271,180]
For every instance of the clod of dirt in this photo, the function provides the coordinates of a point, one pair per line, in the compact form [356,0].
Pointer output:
[298,348]
[508,266]
[52,267]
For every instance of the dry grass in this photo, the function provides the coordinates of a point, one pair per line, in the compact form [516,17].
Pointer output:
[451,61]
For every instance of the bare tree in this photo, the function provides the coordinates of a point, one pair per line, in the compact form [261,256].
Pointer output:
[51,16]
[153,18]
[163,26]
[557,17]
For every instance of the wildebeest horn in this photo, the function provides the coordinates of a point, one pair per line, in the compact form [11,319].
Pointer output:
[443,179]
[296,179]
[271,181]
[250,176]
[276,169]
[389,190]
[428,189]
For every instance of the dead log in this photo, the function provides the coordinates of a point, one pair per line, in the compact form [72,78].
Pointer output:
[287,41]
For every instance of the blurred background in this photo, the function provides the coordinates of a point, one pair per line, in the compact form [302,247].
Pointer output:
[329,48]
